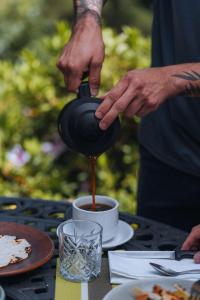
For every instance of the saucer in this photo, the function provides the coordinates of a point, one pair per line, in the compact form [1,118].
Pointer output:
[124,234]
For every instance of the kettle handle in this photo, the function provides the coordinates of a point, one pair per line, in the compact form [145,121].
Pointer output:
[84,90]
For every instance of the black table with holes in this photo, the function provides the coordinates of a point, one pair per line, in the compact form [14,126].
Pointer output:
[46,216]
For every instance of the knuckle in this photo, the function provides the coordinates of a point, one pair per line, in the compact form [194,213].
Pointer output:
[151,104]
[137,82]
[97,62]
[129,75]
[104,107]
[119,106]
[145,95]
[60,65]
[71,67]
[112,97]
[94,80]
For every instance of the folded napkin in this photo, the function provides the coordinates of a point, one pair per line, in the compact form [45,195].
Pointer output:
[124,268]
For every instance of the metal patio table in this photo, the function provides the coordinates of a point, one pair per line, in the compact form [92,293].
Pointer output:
[46,216]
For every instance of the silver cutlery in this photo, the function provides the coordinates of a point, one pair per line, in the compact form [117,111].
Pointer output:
[169,272]
[174,255]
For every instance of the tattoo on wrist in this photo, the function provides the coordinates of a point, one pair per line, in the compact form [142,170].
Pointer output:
[83,7]
[192,88]
[89,12]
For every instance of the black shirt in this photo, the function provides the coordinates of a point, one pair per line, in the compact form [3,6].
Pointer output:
[172,132]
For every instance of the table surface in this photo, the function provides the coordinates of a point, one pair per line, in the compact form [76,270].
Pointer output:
[46,216]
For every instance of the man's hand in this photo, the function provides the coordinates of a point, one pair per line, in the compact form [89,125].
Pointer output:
[139,92]
[193,242]
[83,53]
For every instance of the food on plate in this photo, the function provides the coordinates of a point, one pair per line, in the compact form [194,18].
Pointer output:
[13,250]
[159,293]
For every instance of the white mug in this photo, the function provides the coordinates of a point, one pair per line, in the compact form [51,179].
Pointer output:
[108,219]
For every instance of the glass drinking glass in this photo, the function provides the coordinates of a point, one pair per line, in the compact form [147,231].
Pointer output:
[80,248]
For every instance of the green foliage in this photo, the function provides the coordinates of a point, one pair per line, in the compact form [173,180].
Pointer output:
[137,13]
[22,22]
[32,93]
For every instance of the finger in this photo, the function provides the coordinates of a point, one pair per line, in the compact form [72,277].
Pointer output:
[72,82]
[187,244]
[119,106]
[134,107]
[143,111]
[72,73]
[147,108]
[111,97]
[197,227]
[73,79]
[197,258]
[94,77]
[60,63]
[192,240]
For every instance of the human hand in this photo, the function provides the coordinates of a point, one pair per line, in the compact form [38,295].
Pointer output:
[83,53]
[192,242]
[139,92]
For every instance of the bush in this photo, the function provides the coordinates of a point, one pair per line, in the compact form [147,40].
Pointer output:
[33,160]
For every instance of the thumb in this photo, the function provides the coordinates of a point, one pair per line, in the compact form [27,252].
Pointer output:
[197,258]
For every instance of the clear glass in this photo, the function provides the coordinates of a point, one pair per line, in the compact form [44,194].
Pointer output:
[80,249]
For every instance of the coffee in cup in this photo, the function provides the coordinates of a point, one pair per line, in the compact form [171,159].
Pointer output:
[106,213]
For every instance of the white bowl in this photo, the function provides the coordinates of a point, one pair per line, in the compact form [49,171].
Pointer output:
[124,291]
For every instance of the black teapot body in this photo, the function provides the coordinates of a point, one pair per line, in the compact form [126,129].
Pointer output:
[79,127]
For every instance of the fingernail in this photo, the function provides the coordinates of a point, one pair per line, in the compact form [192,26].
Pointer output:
[197,258]
[99,114]
[94,92]
[102,125]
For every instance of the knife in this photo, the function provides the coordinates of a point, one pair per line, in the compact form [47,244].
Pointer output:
[176,254]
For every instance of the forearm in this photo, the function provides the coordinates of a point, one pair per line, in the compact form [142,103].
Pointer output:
[187,78]
[94,7]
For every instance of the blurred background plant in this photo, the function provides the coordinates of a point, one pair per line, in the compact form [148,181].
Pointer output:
[33,160]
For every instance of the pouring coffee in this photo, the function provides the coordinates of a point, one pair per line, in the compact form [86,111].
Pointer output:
[79,129]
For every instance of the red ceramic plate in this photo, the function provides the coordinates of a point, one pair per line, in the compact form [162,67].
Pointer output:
[42,248]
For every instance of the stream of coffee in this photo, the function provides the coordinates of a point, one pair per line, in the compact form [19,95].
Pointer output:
[93,162]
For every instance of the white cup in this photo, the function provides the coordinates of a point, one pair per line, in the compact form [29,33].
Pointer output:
[108,219]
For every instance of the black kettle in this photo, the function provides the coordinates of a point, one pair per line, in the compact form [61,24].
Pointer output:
[79,127]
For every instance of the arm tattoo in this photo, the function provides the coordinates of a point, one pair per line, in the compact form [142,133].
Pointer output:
[94,7]
[192,88]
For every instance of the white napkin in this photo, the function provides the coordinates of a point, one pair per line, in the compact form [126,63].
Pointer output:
[139,268]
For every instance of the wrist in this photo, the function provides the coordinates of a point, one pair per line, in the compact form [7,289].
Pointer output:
[177,84]
[88,18]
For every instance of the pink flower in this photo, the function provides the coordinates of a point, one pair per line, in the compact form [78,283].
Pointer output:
[54,148]
[17,156]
